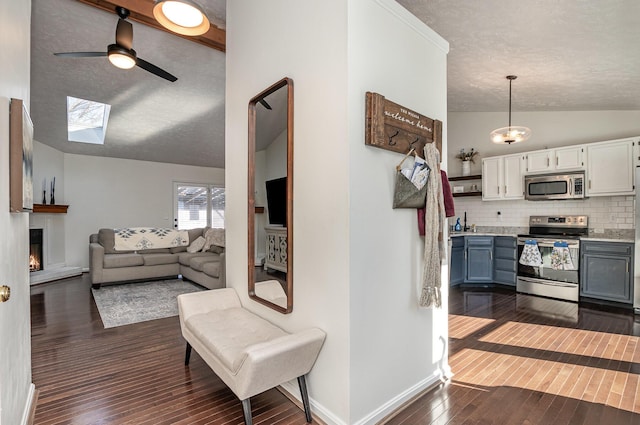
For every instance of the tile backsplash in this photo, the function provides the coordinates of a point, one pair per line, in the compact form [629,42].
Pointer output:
[607,214]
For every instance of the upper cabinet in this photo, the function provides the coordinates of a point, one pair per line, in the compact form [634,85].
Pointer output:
[502,177]
[610,168]
[551,160]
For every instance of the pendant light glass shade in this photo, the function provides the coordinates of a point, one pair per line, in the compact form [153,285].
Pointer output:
[510,134]
[181,16]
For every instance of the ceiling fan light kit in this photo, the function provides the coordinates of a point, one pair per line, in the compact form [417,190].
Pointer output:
[510,134]
[181,16]
[121,57]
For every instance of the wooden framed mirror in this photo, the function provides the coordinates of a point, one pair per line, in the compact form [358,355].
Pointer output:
[270,195]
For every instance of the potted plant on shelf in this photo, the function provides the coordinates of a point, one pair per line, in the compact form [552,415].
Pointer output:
[467,158]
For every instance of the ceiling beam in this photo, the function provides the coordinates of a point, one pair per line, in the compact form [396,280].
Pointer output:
[142,11]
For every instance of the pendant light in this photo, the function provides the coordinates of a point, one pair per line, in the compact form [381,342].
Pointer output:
[510,134]
[181,16]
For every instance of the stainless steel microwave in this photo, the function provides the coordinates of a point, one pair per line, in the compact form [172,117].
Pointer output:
[543,187]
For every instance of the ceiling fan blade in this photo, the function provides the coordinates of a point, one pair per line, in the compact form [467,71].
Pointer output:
[155,70]
[124,34]
[81,54]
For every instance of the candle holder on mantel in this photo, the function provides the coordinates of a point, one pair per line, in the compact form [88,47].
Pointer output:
[53,198]
[44,197]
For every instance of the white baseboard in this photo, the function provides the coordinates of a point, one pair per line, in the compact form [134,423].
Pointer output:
[30,406]
[382,412]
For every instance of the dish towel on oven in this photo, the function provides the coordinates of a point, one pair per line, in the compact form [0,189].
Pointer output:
[530,254]
[561,257]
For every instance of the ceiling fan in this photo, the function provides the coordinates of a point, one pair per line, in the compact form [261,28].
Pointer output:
[121,54]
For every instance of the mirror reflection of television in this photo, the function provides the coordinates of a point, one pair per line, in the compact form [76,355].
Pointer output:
[277,201]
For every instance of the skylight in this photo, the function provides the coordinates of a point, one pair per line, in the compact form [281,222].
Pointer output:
[87,120]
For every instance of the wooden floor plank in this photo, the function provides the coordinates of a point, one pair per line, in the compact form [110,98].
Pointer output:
[533,368]
[129,375]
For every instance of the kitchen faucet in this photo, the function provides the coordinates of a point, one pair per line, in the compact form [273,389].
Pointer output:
[465,228]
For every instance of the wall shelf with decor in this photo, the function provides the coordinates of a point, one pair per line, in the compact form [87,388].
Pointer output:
[466,191]
[50,209]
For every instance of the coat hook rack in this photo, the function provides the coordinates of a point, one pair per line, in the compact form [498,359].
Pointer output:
[397,128]
[391,141]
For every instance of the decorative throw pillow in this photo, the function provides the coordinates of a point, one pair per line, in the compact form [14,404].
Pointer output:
[196,245]
[213,237]
[216,249]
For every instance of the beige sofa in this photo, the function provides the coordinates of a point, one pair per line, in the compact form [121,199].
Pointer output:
[108,266]
[248,353]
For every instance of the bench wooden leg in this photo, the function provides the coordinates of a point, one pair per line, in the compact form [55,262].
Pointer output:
[302,383]
[246,409]
[187,355]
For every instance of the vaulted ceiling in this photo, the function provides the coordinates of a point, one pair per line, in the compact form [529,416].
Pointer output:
[568,55]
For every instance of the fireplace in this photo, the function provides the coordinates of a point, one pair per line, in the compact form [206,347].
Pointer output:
[36,260]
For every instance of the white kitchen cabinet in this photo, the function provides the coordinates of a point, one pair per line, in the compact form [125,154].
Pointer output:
[610,168]
[552,160]
[570,158]
[502,177]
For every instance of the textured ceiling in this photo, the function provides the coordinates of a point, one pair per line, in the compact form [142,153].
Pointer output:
[568,55]
[151,119]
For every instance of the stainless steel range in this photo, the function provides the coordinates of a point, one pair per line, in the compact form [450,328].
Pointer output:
[549,256]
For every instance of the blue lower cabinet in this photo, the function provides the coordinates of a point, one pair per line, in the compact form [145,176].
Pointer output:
[606,271]
[506,260]
[483,259]
[479,251]
[457,269]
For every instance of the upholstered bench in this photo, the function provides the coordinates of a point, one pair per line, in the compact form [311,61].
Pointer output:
[250,354]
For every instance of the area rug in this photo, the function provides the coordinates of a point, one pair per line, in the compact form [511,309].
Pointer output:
[139,302]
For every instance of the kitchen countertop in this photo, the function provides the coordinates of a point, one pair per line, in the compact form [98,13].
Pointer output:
[582,238]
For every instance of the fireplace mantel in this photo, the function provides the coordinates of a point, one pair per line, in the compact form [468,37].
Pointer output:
[50,209]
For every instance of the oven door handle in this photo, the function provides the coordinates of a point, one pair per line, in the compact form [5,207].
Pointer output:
[550,244]
[550,282]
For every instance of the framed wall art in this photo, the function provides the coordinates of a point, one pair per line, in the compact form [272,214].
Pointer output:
[20,158]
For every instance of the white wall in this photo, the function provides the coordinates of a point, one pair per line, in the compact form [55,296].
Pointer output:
[549,129]
[16,390]
[111,192]
[396,347]
[348,278]
[305,41]
[47,164]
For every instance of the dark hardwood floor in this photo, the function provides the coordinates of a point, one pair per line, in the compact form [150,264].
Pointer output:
[132,374]
[519,359]
[516,359]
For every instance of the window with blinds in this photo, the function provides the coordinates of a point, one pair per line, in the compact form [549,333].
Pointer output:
[198,205]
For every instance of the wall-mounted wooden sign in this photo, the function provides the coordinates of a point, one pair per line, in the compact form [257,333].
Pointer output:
[396,128]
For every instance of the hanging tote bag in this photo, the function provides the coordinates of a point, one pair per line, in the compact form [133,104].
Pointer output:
[405,193]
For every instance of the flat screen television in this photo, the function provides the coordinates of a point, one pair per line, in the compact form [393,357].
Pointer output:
[277,201]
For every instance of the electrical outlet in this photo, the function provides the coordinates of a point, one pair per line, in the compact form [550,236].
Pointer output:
[612,218]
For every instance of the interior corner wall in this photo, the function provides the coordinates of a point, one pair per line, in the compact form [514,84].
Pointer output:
[550,129]
[16,389]
[113,192]
[306,41]
[397,348]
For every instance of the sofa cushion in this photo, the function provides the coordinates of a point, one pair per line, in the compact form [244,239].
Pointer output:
[197,263]
[196,245]
[212,268]
[228,333]
[195,233]
[184,258]
[216,249]
[156,259]
[177,249]
[154,251]
[213,236]
[112,261]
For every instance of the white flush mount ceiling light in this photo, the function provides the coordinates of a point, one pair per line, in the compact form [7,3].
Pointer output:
[181,16]
[510,134]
